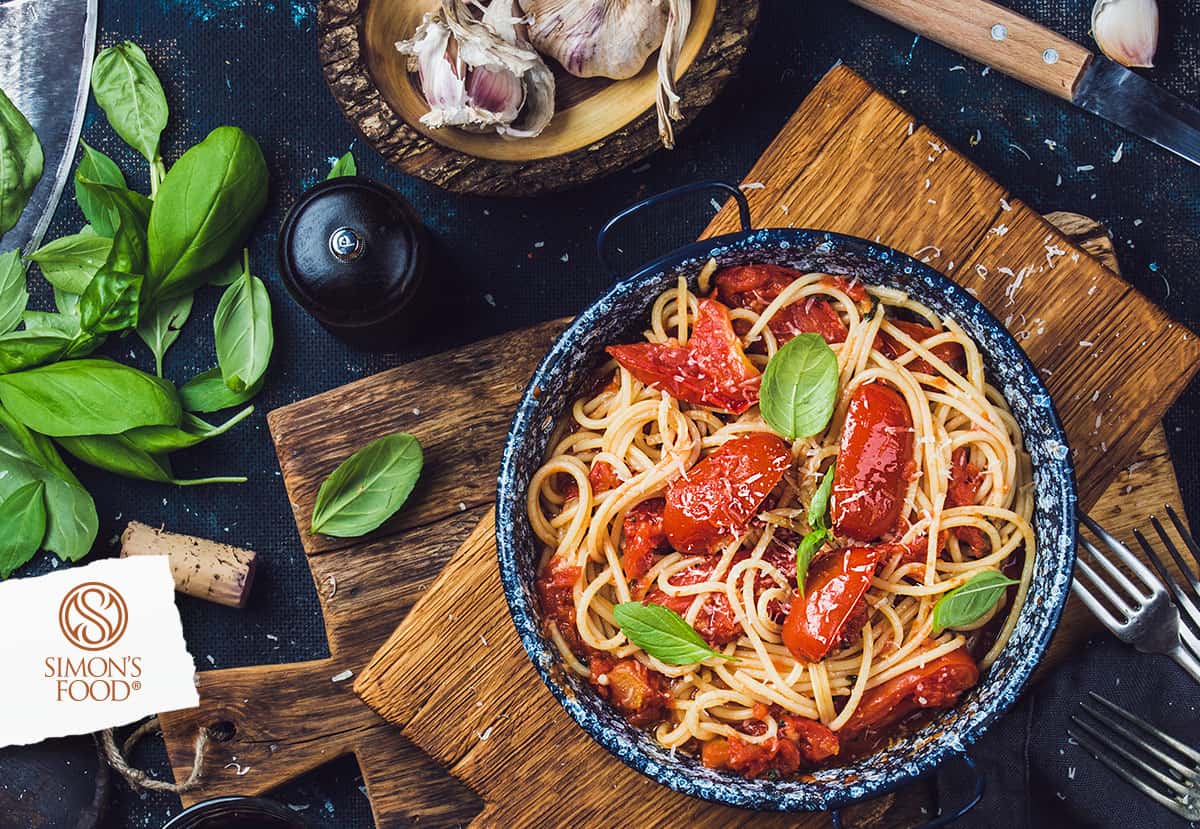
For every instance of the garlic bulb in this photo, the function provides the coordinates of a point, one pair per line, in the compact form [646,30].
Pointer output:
[480,73]
[1126,30]
[613,39]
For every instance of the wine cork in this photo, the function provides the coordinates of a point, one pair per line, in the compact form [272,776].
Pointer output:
[201,568]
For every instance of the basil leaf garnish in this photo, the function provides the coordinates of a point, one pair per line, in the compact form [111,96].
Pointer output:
[818,507]
[207,392]
[965,604]
[243,333]
[368,487]
[21,162]
[663,633]
[22,526]
[344,166]
[809,545]
[70,263]
[799,387]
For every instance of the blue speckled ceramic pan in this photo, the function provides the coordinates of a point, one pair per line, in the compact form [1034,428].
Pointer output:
[618,317]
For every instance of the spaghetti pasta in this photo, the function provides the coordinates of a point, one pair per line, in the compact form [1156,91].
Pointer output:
[963,506]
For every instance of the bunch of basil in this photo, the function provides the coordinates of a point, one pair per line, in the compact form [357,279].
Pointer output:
[133,268]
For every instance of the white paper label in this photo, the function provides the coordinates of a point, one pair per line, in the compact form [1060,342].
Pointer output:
[90,648]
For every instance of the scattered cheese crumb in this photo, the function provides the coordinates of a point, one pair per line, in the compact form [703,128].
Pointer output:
[1119,153]
[342,676]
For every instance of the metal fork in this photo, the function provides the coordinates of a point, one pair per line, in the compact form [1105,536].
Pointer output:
[1155,763]
[1144,616]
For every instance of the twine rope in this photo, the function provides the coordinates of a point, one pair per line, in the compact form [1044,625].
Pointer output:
[137,778]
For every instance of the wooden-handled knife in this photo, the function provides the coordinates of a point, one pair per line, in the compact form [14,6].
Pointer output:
[1017,46]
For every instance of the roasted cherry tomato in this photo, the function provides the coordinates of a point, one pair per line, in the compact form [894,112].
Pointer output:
[799,740]
[935,685]
[874,463]
[756,286]
[963,491]
[715,621]
[556,589]
[711,370]
[632,688]
[643,538]
[719,495]
[833,596]
[950,353]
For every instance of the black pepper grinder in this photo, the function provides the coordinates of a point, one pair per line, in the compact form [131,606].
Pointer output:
[353,253]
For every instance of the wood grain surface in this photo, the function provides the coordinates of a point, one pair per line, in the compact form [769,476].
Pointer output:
[436,676]
[600,125]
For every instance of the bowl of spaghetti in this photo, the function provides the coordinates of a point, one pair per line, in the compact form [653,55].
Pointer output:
[785,519]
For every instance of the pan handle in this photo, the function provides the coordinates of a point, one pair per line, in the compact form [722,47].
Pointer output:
[669,195]
[949,817]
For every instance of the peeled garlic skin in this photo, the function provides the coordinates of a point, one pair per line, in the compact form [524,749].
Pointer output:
[597,38]
[1126,30]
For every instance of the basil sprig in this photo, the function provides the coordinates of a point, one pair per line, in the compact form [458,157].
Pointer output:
[799,387]
[818,510]
[132,97]
[21,162]
[368,487]
[663,633]
[967,603]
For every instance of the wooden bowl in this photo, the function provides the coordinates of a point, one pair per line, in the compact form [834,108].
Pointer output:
[599,125]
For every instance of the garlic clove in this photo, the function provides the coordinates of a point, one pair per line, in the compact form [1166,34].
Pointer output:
[597,38]
[480,73]
[1126,30]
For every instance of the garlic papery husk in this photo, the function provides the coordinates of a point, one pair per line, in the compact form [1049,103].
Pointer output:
[1126,30]
[614,39]
[480,73]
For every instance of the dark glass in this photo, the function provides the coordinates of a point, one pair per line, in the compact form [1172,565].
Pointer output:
[239,813]
[353,253]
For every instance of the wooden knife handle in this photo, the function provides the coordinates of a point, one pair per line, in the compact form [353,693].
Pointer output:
[994,35]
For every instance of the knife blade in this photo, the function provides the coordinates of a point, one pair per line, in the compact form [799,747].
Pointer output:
[46,50]
[1033,54]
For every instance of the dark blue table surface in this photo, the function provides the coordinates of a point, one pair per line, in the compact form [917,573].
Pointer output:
[512,263]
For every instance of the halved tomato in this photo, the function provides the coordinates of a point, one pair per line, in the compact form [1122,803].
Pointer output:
[718,496]
[711,370]
[833,604]
[874,463]
[756,286]
[936,684]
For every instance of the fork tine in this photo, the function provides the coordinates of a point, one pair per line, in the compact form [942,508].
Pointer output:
[1170,545]
[1184,533]
[1121,605]
[1093,604]
[1182,599]
[1182,748]
[1115,574]
[1112,744]
[1124,772]
[1188,654]
[1125,554]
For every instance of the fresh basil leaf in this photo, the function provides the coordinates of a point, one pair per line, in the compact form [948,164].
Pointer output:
[97,207]
[818,508]
[39,448]
[67,303]
[207,392]
[72,519]
[344,166]
[224,273]
[110,302]
[809,546]
[89,397]
[190,431]
[663,633]
[20,350]
[160,328]
[21,163]
[13,294]
[119,455]
[965,604]
[70,263]
[129,252]
[132,97]
[243,333]
[22,526]
[43,321]
[368,487]
[799,387]
[205,207]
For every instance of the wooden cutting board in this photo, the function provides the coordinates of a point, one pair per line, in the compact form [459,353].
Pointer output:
[455,672]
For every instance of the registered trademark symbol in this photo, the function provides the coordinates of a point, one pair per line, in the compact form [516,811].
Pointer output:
[137,686]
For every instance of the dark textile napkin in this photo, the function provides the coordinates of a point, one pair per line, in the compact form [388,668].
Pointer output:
[1039,779]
